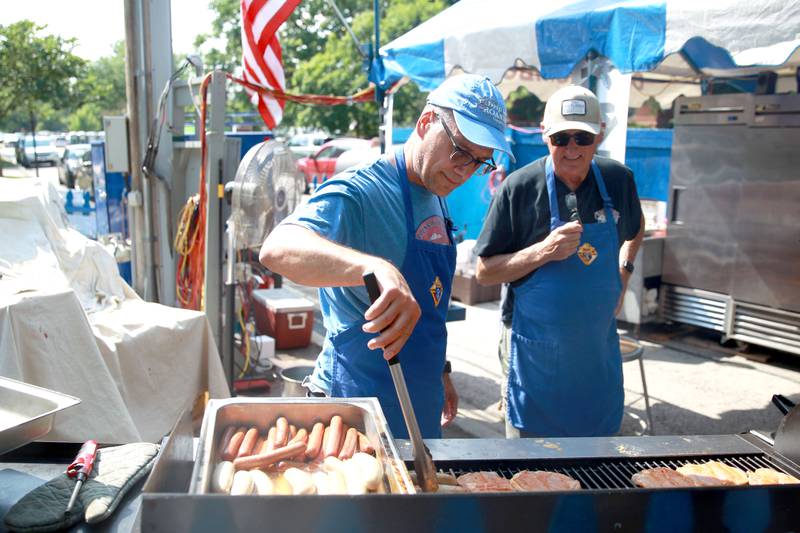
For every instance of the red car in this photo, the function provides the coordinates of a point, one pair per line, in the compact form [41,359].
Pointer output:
[321,165]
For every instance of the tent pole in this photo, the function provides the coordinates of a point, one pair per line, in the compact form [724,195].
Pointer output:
[375,64]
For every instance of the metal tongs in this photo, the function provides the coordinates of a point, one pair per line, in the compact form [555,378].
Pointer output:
[423,463]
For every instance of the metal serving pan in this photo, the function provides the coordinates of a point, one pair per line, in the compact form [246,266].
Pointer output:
[27,412]
[365,414]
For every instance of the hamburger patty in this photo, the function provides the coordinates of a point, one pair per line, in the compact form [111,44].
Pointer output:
[484,482]
[713,473]
[528,481]
[661,477]
[768,476]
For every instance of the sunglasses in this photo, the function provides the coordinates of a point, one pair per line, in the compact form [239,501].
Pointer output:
[582,138]
[461,158]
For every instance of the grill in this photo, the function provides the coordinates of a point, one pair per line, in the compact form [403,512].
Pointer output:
[612,473]
[603,466]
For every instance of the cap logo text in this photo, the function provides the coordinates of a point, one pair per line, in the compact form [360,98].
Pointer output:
[573,107]
[491,107]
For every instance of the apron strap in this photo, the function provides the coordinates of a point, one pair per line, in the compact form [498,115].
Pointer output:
[404,185]
[555,216]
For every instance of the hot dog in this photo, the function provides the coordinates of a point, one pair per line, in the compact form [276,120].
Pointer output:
[281,432]
[364,445]
[292,431]
[325,436]
[269,443]
[225,439]
[248,443]
[234,444]
[259,444]
[350,444]
[315,440]
[301,436]
[333,439]
[269,458]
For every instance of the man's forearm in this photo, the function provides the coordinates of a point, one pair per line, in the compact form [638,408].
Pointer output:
[629,249]
[505,268]
[305,257]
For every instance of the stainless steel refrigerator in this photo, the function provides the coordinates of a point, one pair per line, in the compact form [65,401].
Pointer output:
[732,253]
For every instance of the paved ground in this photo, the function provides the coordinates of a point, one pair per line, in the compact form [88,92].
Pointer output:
[696,386]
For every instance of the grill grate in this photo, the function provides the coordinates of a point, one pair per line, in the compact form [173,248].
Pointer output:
[605,474]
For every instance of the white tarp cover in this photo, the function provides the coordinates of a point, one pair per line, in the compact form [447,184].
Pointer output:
[674,37]
[70,323]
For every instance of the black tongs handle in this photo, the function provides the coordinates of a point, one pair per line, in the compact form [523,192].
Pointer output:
[783,403]
[374,292]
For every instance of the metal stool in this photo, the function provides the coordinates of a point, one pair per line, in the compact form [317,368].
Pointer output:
[632,350]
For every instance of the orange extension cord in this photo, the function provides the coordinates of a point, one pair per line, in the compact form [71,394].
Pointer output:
[190,274]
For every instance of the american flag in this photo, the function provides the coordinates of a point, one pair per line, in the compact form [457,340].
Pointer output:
[261,52]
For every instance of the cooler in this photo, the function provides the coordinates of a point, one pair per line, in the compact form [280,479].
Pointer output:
[285,316]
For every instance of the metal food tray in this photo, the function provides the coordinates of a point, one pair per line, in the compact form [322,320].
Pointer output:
[27,412]
[365,414]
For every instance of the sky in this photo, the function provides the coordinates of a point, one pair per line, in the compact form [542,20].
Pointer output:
[98,24]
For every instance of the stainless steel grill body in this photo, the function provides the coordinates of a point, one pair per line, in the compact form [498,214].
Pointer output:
[608,502]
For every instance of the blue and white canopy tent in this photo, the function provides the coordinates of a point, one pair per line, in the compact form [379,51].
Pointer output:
[682,38]
[680,41]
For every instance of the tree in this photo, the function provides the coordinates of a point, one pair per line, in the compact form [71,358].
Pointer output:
[101,91]
[319,57]
[524,108]
[37,71]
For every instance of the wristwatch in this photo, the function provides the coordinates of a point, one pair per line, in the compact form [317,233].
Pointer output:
[627,265]
[447,368]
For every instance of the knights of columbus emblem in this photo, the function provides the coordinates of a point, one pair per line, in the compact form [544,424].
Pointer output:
[436,291]
[587,253]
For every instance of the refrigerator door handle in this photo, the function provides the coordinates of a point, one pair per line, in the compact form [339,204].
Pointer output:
[675,204]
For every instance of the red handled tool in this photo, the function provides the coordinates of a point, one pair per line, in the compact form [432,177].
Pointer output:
[81,468]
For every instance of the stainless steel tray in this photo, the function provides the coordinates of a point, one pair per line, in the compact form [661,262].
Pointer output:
[365,414]
[27,412]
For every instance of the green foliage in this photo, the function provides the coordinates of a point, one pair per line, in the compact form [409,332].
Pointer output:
[320,57]
[524,107]
[37,71]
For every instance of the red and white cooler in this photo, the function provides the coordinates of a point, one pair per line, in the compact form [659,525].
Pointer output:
[285,316]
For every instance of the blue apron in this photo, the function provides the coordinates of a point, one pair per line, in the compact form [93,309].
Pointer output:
[565,371]
[358,371]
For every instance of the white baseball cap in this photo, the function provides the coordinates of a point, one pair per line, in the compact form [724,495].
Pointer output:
[572,108]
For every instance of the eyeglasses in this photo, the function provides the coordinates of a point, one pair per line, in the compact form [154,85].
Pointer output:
[582,138]
[462,158]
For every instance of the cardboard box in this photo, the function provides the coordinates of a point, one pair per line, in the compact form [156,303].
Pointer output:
[466,289]
[285,316]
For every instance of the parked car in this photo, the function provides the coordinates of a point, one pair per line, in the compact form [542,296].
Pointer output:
[45,151]
[305,144]
[8,151]
[71,162]
[356,156]
[322,164]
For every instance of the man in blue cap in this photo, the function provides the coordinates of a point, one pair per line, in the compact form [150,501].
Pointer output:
[389,217]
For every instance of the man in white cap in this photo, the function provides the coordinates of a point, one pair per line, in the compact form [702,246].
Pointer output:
[564,232]
[389,217]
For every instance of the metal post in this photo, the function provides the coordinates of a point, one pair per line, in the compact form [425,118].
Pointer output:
[135,204]
[215,149]
[379,92]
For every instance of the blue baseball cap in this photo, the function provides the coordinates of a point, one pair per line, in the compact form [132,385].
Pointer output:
[478,108]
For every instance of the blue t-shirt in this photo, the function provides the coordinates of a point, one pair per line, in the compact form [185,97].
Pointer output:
[362,208]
